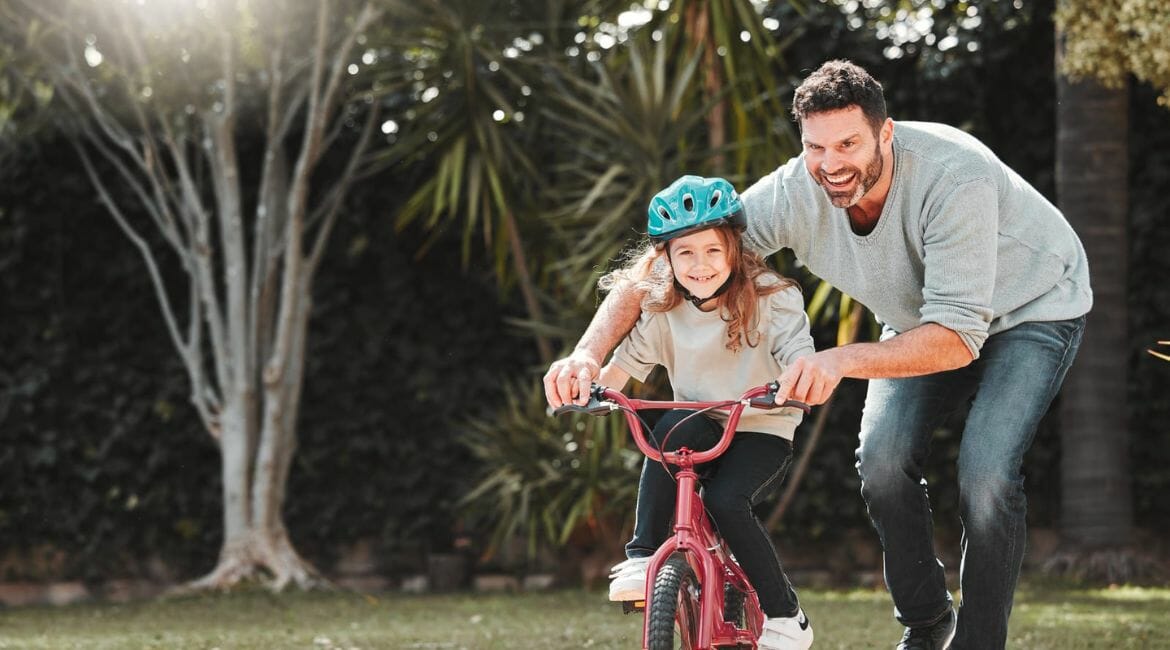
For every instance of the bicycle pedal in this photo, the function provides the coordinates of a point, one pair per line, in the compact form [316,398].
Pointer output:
[631,606]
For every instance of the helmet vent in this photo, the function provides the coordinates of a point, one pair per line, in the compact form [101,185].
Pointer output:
[715,196]
[665,214]
[689,203]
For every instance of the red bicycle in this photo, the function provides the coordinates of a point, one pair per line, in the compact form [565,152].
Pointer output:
[697,596]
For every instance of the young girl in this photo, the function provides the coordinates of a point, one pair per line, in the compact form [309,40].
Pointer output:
[720,322]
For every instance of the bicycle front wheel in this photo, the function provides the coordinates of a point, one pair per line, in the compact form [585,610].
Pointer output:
[674,607]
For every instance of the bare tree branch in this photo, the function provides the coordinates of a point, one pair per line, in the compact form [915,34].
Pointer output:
[270,206]
[165,226]
[331,206]
[164,192]
[196,214]
[114,131]
[188,352]
[278,359]
[225,177]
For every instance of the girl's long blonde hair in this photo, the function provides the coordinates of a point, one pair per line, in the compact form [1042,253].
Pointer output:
[647,269]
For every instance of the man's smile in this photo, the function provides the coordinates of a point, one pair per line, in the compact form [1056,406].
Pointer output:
[840,180]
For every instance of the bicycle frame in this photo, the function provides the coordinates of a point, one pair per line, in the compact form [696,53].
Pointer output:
[693,534]
[695,537]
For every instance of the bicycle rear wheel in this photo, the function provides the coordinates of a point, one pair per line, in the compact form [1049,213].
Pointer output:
[674,607]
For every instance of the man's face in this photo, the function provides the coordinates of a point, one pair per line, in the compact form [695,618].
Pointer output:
[842,153]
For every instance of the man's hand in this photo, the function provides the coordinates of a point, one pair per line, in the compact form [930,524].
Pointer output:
[924,350]
[810,379]
[568,380]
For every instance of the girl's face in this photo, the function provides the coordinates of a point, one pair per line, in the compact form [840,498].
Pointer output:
[700,261]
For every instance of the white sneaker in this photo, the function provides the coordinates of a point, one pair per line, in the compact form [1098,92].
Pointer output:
[628,579]
[794,633]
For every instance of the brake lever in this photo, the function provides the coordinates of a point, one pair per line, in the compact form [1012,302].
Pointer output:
[768,401]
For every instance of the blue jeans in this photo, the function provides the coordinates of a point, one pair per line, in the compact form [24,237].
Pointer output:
[746,473]
[1010,386]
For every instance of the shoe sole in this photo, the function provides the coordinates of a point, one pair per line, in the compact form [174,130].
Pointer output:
[788,644]
[626,595]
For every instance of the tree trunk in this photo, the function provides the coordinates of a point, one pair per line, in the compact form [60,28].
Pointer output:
[234,461]
[241,559]
[256,542]
[1092,191]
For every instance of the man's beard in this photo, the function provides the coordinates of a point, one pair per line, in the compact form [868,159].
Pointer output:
[865,181]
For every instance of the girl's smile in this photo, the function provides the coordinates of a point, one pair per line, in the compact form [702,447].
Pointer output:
[699,261]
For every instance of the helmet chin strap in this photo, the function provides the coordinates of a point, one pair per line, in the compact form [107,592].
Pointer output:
[697,301]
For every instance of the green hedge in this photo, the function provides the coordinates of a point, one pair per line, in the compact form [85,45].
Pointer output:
[103,457]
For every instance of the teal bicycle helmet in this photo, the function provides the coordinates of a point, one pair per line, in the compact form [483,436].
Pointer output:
[693,203]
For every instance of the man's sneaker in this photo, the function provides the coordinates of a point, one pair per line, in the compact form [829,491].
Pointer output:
[627,580]
[791,633]
[936,636]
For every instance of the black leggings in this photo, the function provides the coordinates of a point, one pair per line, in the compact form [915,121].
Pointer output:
[748,472]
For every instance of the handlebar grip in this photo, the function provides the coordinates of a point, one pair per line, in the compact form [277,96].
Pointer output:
[768,400]
[796,404]
[594,406]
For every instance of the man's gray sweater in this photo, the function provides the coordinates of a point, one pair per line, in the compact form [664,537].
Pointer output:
[962,241]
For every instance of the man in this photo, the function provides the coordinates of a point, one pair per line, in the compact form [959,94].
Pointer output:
[981,287]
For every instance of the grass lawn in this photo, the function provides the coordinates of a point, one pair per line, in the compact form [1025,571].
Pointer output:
[1048,617]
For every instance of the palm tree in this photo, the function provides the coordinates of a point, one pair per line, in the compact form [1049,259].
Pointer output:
[479,75]
[498,108]
[741,59]
[693,90]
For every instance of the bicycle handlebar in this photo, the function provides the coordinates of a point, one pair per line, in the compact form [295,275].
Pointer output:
[604,400]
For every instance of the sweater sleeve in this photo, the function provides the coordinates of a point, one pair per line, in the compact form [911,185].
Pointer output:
[789,326]
[764,205]
[641,350]
[959,243]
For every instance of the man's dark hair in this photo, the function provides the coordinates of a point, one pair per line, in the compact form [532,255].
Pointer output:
[838,85]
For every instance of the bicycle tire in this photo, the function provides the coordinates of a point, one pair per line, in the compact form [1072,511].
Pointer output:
[674,607]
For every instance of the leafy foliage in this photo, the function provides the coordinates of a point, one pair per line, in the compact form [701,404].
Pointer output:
[1110,39]
[632,131]
[102,450]
[548,479]
[405,353]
